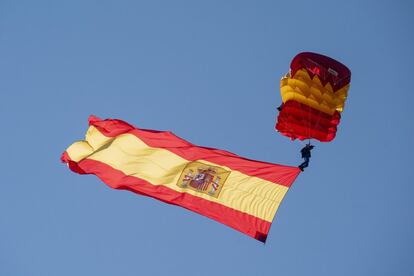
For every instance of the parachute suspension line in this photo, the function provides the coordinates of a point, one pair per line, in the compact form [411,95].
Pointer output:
[309,122]
[310,126]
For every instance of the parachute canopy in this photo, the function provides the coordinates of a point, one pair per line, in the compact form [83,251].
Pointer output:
[313,94]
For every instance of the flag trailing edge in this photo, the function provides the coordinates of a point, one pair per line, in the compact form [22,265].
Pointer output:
[238,192]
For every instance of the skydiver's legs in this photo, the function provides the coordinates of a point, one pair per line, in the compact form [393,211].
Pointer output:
[304,164]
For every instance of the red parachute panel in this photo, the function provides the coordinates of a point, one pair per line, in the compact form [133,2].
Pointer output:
[326,68]
[299,121]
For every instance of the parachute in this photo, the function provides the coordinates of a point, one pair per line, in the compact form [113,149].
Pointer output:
[313,94]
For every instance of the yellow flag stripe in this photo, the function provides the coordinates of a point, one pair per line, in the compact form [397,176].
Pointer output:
[129,154]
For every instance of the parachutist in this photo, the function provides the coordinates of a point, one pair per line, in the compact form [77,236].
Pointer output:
[306,155]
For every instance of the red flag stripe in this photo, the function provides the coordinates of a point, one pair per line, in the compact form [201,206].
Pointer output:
[245,223]
[283,175]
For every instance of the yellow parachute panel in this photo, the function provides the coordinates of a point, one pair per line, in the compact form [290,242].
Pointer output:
[311,92]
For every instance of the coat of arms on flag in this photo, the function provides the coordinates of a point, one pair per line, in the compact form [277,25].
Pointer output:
[203,178]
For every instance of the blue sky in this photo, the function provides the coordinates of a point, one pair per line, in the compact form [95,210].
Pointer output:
[208,71]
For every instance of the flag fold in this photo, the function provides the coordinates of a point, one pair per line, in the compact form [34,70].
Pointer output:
[238,192]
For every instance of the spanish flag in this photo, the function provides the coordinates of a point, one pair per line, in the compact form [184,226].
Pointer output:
[241,193]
